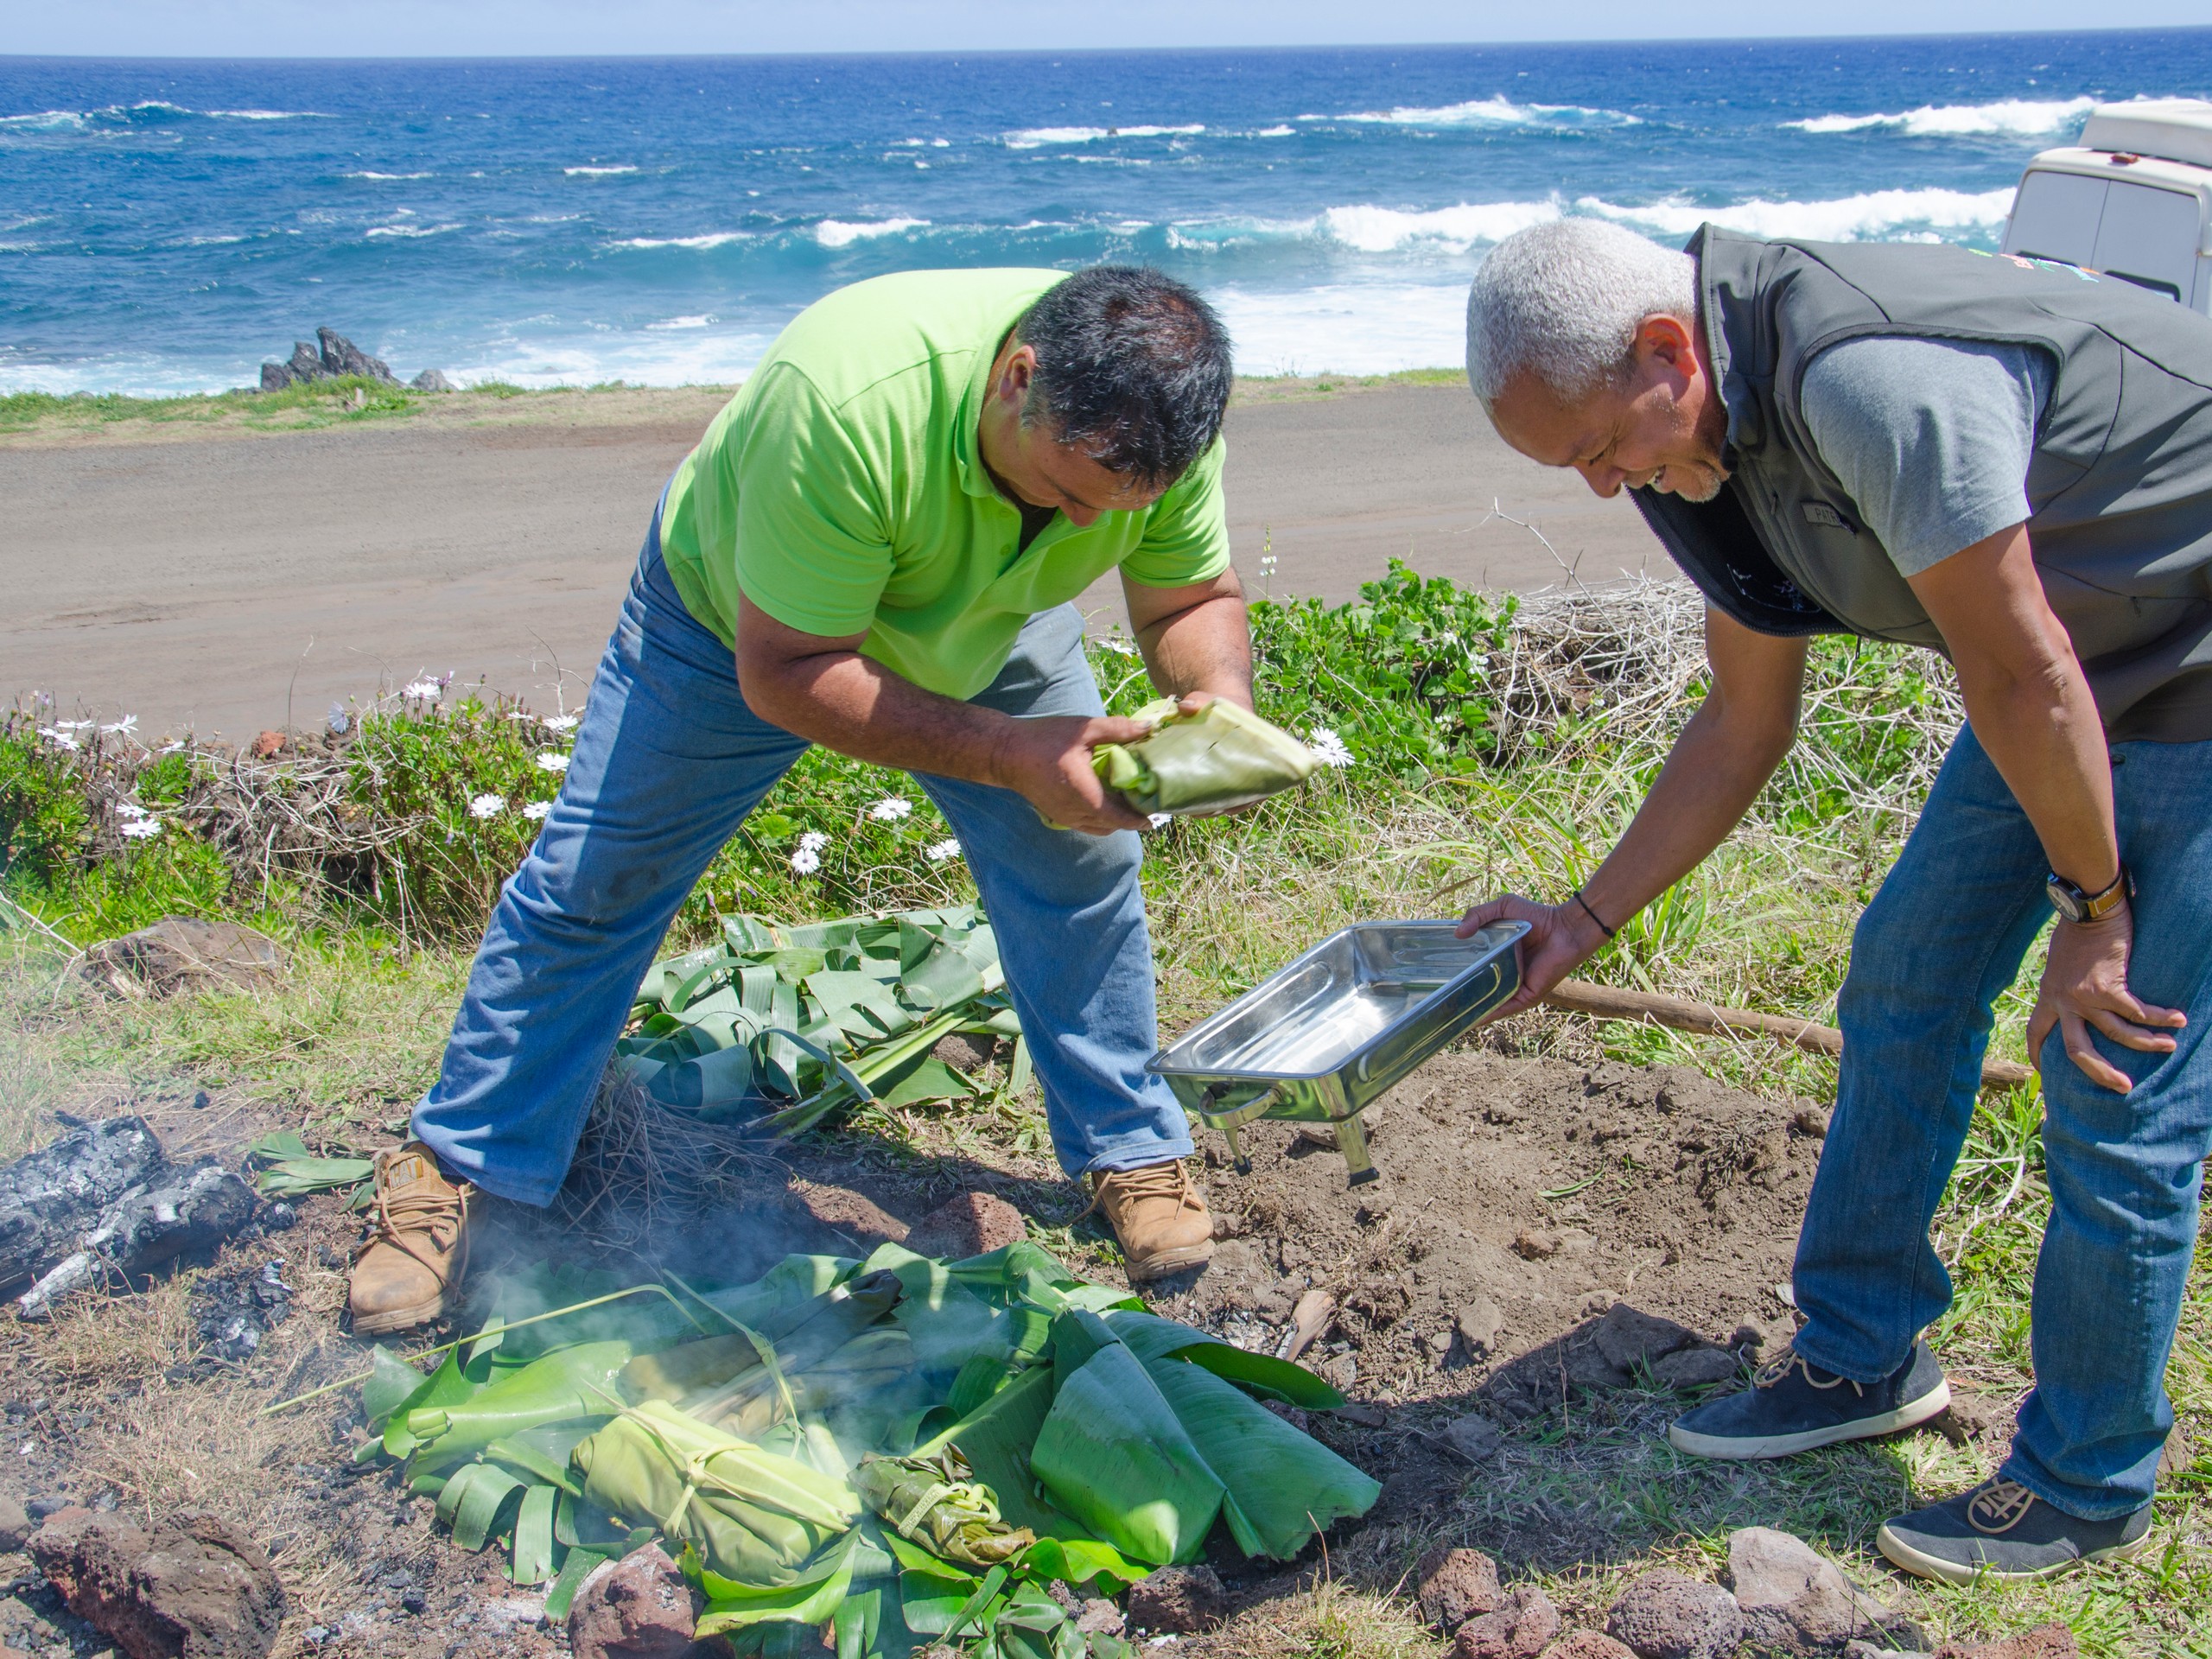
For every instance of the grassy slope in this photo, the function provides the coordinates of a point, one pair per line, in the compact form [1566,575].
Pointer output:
[356,1029]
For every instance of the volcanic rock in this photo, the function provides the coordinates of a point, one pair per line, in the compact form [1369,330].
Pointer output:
[2051,1641]
[1663,1615]
[973,1223]
[183,953]
[636,1608]
[196,1589]
[1456,1586]
[341,356]
[1694,1368]
[1628,1336]
[431,380]
[1522,1627]
[1474,1437]
[851,1215]
[1179,1601]
[1587,1645]
[1099,1617]
[15,1523]
[1795,1601]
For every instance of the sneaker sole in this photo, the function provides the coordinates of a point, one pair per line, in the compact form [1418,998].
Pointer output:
[1171,1261]
[1748,1448]
[1925,1566]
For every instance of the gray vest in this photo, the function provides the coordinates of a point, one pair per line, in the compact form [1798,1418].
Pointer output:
[2119,488]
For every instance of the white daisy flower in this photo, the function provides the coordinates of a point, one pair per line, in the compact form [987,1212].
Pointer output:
[141,829]
[1162,820]
[487,806]
[130,809]
[54,735]
[423,689]
[336,720]
[76,725]
[937,851]
[1328,748]
[170,747]
[891,809]
[552,760]
[560,722]
[536,810]
[813,841]
[128,724]
[1119,647]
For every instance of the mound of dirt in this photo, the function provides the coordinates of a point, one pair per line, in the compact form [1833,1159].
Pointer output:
[1527,1195]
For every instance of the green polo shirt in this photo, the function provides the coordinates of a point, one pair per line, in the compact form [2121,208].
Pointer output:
[841,491]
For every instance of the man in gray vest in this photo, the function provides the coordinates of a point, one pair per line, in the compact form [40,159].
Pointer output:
[2009,462]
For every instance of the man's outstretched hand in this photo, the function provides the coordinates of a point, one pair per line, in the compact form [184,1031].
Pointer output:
[1561,938]
[1046,760]
[2085,985]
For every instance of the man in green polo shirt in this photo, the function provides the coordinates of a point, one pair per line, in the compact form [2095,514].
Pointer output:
[875,547]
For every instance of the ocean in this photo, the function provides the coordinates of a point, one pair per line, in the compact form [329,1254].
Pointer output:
[165,226]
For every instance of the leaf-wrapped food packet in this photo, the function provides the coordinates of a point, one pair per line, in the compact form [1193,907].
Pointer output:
[752,1516]
[938,1501]
[1218,758]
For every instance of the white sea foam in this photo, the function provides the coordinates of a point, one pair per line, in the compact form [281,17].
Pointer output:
[1276,132]
[1384,229]
[673,323]
[1493,112]
[249,115]
[46,119]
[1345,328]
[597,172]
[838,234]
[1877,213]
[386,177]
[411,230]
[712,239]
[2021,117]
[1035,137]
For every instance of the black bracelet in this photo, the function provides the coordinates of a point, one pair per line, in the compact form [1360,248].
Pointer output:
[1593,914]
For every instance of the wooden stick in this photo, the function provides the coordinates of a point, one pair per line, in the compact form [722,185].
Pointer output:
[1606,1003]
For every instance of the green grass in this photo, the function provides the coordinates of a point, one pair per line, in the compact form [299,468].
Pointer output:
[1494,748]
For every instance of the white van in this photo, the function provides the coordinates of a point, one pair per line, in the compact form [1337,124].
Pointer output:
[2132,200]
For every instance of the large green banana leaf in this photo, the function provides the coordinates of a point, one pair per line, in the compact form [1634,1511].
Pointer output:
[1282,1486]
[1113,1454]
[577,1382]
[1220,756]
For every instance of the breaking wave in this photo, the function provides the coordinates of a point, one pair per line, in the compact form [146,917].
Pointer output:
[1037,137]
[1875,214]
[837,233]
[2010,117]
[1494,112]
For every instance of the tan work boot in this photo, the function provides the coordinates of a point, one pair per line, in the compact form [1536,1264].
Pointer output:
[1160,1216]
[418,1244]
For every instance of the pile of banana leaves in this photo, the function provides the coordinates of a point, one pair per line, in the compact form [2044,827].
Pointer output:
[788,1024]
[875,1454]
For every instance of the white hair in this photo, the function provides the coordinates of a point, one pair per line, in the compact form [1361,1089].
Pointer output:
[1563,300]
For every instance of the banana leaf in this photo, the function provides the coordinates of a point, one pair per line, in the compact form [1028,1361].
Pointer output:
[1150,1338]
[936,1501]
[289,1170]
[811,1596]
[576,1382]
[1282,1486]
[1113,1454]
[1221,757]
[753,1516]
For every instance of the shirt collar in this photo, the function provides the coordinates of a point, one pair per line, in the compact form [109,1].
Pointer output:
[967,442]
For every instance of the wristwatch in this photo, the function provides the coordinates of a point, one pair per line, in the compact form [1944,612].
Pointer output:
[2075,905]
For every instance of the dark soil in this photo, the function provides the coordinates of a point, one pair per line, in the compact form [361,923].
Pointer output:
[1666,1190]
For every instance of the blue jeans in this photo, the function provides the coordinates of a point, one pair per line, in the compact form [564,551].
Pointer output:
[667,763]
[1940,944]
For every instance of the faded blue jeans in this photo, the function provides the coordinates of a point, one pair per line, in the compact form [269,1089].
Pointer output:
[1942,940]
[667,763]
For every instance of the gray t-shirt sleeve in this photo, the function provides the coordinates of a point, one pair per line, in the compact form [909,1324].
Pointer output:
[1930,438]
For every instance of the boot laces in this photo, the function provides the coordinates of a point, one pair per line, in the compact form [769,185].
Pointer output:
[1777,1370]
[424,1218]
[1999,1507]
[1169,1180]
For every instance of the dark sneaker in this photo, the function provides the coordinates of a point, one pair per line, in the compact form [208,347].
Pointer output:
[2002,1531]
[1793,1405]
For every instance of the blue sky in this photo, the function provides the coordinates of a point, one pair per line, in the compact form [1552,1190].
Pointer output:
[533,28]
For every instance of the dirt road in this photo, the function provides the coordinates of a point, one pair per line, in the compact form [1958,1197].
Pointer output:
[226,581]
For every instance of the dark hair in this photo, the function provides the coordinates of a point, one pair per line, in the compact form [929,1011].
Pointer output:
[1132,368]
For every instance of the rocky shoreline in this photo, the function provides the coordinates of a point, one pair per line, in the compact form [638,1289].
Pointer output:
[331,356]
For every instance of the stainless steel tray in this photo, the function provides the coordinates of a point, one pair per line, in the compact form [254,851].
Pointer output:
[1327,1035]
